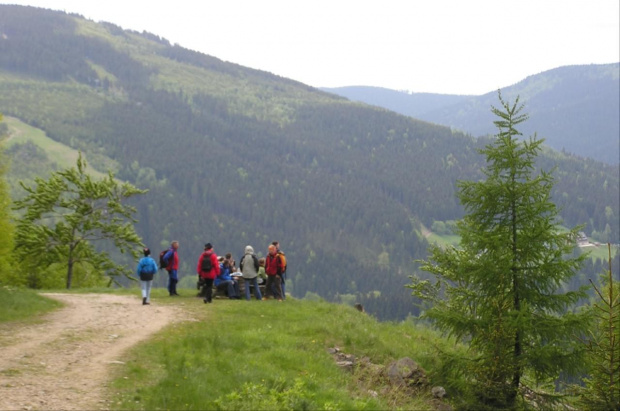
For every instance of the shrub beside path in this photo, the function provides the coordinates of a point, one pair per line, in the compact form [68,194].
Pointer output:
[64,362]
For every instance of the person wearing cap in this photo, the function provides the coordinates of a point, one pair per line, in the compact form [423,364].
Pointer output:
[147,267]
[249,269]
[207,272]
[273,268]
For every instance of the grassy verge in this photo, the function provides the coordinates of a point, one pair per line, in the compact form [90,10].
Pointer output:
[21,304]
[267,355]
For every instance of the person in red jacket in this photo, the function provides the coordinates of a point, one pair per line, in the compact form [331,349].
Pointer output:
[208,268]
[273,269]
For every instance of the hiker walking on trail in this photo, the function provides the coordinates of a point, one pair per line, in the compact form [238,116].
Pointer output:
[171,258]
[208,268]
[273,268]
[147,267]
[249,269]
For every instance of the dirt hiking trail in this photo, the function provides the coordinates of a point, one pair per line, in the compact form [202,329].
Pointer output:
[64,362]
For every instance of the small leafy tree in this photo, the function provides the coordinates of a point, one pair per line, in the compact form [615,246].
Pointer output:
[64,216]
[501,290]
[603,346]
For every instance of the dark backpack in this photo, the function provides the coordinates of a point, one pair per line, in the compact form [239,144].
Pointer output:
[206,265]
[163,263]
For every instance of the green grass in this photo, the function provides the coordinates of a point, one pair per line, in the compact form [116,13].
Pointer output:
[266,355]
[444,240]
[18,304]
[59,153]
[601,252]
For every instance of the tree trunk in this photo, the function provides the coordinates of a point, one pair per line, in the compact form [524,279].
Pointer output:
[70,267]
[516,376]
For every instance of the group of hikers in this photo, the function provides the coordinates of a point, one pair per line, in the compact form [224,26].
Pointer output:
[221,272]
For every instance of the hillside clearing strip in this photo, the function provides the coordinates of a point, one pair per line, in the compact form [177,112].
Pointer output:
[64,362]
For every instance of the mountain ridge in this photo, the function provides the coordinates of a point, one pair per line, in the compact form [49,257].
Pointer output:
[237,156]
[575,108]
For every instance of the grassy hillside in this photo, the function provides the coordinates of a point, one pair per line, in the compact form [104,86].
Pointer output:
[235,156]
[58,153]
[265,355]
[240,355]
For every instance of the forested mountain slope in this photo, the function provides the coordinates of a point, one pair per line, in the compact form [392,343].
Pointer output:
[236,156]
[575,108]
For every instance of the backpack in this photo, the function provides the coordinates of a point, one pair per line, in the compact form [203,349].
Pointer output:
[149,269]
[162,263]
[206,265]
[283,259]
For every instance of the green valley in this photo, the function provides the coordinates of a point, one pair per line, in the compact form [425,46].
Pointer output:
[236,156]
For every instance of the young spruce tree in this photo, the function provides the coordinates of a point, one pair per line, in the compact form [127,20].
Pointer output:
[602,390]
[500,291]
[67,213]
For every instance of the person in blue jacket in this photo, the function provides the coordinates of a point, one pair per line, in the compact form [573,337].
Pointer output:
[224,281]
[147,267]
[171,258]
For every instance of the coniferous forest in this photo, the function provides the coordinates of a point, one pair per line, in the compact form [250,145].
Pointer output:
[236,156]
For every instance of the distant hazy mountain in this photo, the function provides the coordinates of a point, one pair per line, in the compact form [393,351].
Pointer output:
[575,108]
[409,104]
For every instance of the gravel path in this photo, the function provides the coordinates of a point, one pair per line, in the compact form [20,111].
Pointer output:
[63,363]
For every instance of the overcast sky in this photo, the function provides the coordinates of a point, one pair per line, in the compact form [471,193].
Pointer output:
[437,46]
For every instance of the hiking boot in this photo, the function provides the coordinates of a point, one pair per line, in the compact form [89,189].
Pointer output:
[144,301]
